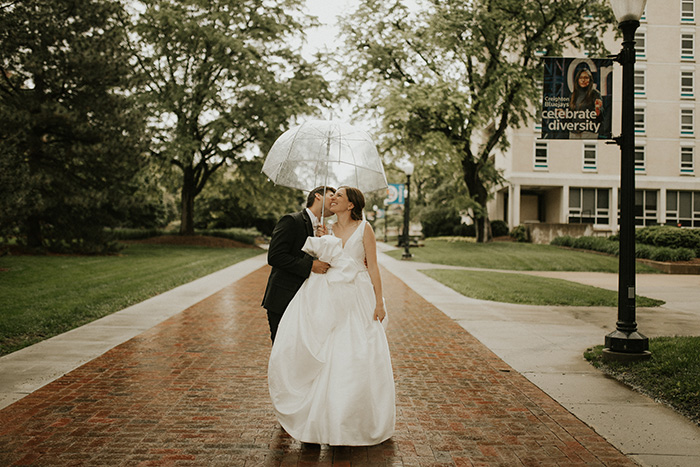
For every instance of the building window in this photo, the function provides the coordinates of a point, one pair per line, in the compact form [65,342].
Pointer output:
[688,11]
[541,162]
[687,122]
[645,207]
[590,157]
[683,208]
[640,83]
[640,46]
[640,159]
[687,46]
[589,206]
[687,165]
[687,84]
[640,120]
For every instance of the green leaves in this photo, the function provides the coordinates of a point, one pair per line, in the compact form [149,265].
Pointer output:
[221,78]
[461,71]
[69,133]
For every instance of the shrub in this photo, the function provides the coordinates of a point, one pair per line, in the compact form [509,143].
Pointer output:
[521,234]
[80,232]
[265,224]
[665,253]
[643,251]
[241,235]
[499,228]
[440,222]
[565,240]
[669,236]
[611,246]
[134,234]
[464,230]
[600,244]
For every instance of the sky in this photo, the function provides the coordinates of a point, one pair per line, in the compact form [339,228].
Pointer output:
[327,12]
[325,38]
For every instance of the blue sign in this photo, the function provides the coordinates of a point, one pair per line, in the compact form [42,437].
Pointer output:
[395,193]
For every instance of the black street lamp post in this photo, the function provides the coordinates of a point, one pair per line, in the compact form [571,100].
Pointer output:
[407,206]
[386,221]
[626,343]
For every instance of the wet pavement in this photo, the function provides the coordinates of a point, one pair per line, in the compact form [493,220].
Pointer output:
[192,390]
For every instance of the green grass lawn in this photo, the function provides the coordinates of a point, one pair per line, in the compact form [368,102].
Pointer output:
[671,375]
[42,296]
[514,257]
[528,290]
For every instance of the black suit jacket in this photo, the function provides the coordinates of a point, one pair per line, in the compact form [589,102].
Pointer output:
[290,265]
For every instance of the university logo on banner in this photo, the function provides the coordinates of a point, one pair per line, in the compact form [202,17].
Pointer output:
[394,193]
[577,98]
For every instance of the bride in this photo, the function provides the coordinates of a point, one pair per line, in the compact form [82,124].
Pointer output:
[330,375]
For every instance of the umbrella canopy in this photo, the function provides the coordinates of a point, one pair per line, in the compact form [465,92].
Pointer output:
[322,152]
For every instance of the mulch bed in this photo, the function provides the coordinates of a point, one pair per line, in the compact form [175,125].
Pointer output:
[193,240]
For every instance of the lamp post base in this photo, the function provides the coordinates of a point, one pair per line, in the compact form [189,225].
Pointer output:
[626,347]
[406,255]
[610,356]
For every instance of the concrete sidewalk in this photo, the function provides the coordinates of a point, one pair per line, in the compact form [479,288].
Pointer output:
[542,343]
[546,345]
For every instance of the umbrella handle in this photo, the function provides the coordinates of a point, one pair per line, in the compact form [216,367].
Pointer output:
[325,181]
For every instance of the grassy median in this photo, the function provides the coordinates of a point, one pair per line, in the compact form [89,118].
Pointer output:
[513,257]
[672,375]
[528,290]
[42,296]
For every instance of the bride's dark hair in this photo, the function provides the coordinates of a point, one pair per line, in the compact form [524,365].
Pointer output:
[356,197]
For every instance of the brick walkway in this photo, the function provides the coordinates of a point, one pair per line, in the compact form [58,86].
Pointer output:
[193,391]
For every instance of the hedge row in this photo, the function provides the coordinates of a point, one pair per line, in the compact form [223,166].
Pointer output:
[247,236]
[669,236]
[612,246]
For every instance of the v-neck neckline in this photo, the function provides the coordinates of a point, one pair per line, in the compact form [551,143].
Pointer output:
[351,235]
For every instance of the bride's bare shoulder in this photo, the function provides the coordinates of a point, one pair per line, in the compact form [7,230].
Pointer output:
[369,231]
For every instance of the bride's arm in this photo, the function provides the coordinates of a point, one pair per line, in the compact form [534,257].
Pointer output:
[373,268]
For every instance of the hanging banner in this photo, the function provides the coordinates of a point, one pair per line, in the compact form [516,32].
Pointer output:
[394,193]
[577,98]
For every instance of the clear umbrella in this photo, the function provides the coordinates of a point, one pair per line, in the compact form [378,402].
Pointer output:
[323,152]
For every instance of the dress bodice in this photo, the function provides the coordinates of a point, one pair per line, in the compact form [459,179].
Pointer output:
[354,247]
[346,262]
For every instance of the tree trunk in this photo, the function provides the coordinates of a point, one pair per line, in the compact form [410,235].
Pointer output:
[483,229]
[187,203]
[478,193]
[34,220]
[34,238]
[483,225]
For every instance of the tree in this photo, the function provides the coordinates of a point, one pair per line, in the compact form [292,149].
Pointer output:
[464,72]
[220,77]
[242,196]
[69,135]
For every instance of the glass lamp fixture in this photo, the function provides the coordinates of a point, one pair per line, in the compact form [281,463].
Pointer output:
[628,10]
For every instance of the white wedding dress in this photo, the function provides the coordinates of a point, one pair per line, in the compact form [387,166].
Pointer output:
[329,374]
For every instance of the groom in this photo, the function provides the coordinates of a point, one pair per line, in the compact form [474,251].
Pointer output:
[290,265]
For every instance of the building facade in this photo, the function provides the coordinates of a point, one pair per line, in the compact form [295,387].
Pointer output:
[578,181]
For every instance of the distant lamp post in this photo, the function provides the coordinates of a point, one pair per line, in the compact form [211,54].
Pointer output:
[408,170]
[625,343]
[386,222]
